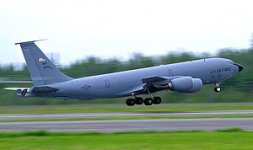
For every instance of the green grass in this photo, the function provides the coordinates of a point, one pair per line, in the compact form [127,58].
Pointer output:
[231,139]
[122,108]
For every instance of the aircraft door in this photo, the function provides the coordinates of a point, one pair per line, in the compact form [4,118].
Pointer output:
[107,83]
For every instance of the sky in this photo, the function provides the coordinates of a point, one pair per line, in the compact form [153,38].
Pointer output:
[76,29]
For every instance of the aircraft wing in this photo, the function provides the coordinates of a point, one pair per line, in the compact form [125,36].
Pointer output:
[27,92]
[155,79]
[157,83]
[153,84]
[158,80]
[42,89]
[15,88]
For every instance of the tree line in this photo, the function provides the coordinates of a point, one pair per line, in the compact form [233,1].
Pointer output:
[237,89]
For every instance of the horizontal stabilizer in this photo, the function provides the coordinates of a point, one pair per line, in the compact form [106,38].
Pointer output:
[44,89]
[30,41]
[14,88]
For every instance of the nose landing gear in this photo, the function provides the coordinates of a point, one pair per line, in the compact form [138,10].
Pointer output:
[217,87]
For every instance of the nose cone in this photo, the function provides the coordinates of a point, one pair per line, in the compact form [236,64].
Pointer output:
[240,67]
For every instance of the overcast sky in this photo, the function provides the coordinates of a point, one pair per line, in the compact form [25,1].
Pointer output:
[116,28]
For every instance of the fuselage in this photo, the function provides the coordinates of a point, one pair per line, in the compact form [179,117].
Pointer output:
[119,84]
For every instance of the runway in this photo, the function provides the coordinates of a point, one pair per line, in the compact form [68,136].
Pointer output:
[120,114]
[131,125]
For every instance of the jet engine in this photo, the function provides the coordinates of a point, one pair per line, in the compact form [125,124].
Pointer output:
[185,84]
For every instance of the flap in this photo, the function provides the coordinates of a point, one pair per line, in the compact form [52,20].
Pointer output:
[155,79]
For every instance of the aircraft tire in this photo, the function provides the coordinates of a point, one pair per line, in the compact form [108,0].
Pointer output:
[130,102]
[157,100]
[139,100]
[148,101]
[217,89]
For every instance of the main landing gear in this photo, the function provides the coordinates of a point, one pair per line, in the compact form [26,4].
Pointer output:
[140,101]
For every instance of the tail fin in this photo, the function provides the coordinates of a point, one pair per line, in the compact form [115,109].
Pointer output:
[41,69]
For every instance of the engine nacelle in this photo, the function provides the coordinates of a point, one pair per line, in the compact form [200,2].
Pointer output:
[24,92]
[186,84]
[197,85]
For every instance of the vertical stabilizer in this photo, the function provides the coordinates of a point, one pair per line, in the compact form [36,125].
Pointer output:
[41,69]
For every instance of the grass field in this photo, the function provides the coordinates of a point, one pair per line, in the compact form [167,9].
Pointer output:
[180,140]
[123,108]
[195,140]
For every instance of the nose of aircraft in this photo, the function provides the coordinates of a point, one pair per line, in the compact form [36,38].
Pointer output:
[240,67]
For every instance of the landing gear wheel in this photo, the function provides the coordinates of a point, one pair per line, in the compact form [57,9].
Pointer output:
[157,100]
[217,89]
[148,101]
[139,100]
[130,102]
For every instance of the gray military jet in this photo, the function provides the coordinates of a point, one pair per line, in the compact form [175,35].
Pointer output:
[184,77]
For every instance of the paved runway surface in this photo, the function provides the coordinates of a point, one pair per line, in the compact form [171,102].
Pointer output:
[131,125]
[119,114]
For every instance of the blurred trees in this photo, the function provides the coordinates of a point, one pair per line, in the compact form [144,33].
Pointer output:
[237,89]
